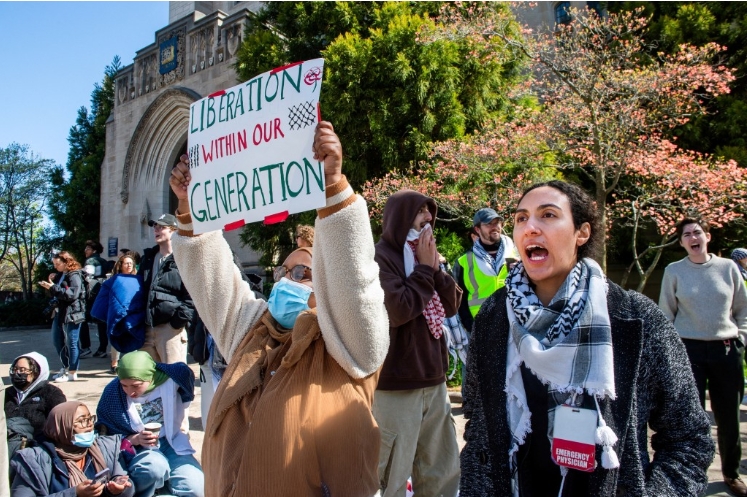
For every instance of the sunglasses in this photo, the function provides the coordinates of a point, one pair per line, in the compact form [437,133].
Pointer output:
[296,273]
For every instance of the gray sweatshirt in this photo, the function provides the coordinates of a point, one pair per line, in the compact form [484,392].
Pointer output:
[705,301]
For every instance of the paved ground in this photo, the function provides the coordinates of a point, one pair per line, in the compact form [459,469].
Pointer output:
[93,377]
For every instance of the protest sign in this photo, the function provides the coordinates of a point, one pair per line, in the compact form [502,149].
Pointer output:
[250,149]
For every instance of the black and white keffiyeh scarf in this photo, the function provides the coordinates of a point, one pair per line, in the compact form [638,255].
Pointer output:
[567,345]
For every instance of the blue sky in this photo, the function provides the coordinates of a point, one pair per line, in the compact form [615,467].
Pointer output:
[52,54]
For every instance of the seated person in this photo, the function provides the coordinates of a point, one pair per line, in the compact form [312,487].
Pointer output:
[149,392]
[32,396]
[68,458]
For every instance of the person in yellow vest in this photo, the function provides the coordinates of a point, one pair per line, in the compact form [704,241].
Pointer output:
[482,269]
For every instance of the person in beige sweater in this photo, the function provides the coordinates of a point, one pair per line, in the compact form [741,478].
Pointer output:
[292,415]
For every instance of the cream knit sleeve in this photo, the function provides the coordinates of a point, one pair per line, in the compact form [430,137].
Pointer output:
[350,301]
[223,299]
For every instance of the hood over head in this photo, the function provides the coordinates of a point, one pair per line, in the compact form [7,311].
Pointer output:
[400,212]
[41,361]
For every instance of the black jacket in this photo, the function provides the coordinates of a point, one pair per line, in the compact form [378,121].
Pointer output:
[35,406]
[71,296]
[168,299]
[654,386]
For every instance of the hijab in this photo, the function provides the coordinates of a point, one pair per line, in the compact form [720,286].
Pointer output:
[139,365]
[59,430]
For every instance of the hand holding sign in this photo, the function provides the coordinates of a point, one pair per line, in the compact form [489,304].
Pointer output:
[179,182]
[327,148]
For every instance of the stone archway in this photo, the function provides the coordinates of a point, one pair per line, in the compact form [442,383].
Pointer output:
[157,140]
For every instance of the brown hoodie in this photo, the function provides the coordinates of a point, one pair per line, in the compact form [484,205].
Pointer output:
[415,358]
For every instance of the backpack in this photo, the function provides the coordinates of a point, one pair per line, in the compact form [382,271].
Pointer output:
[20,435]
[91,287]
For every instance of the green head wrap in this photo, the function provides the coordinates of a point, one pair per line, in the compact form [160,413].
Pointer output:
[139,365]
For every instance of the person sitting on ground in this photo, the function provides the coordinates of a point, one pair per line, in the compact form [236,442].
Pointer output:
[70,315]
[148,392]
[292,413]
[121,305]
[304,236]
[66,461]
[32,396]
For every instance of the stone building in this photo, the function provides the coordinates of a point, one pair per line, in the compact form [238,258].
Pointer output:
[146,133]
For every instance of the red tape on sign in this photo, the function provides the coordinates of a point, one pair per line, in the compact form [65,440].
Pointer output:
[234,225]
[276,218]
[281,68]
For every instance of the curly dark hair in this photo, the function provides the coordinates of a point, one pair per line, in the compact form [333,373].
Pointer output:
[583,210]
[71,263]
[33,365]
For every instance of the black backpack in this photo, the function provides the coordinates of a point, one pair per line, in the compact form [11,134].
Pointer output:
[91,287]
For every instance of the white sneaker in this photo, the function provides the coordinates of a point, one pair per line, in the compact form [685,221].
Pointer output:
[72,376]
[62,372]
[62,379]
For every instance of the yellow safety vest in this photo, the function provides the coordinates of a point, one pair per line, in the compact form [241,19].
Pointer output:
[479,285]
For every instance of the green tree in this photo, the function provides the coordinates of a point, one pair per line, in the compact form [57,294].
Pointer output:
[723,130]
[23,193]
[75,198]
[388,95]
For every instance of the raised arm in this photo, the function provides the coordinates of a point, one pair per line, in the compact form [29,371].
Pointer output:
[350,301]
[223,299]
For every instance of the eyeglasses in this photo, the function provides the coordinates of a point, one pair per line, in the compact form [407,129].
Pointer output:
[85,421]
[20,371]
[296,273]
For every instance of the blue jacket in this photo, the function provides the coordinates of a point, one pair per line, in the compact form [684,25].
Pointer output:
[121,305]
[112,408]
[39,471]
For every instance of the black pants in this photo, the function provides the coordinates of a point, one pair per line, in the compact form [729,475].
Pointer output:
[85,337]
[720,366]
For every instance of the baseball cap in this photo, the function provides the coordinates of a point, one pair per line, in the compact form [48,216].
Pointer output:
[485,215]
[164,220]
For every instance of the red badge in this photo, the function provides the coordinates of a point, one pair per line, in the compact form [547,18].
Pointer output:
[573,438]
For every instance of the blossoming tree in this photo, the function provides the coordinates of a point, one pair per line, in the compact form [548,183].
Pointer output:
[603,96]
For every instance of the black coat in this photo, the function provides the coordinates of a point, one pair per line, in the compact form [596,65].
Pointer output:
[654,386]
[168,300]
[35,406]
[71,295]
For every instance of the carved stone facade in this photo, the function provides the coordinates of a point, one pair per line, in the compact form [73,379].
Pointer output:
[147,131]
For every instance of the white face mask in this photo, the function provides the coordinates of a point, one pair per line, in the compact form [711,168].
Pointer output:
[413,234]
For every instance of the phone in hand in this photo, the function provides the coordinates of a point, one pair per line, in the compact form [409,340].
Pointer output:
[102,476]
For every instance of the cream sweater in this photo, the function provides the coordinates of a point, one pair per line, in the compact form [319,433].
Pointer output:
[705,301]
[350,301]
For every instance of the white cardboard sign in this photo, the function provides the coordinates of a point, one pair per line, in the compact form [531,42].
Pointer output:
[250,149]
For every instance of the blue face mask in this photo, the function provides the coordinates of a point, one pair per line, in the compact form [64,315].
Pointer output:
[84,439]
[287,300]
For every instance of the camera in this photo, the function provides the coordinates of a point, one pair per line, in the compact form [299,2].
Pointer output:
[48,311]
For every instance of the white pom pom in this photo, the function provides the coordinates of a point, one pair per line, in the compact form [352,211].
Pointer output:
[609,458]
[605,436]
